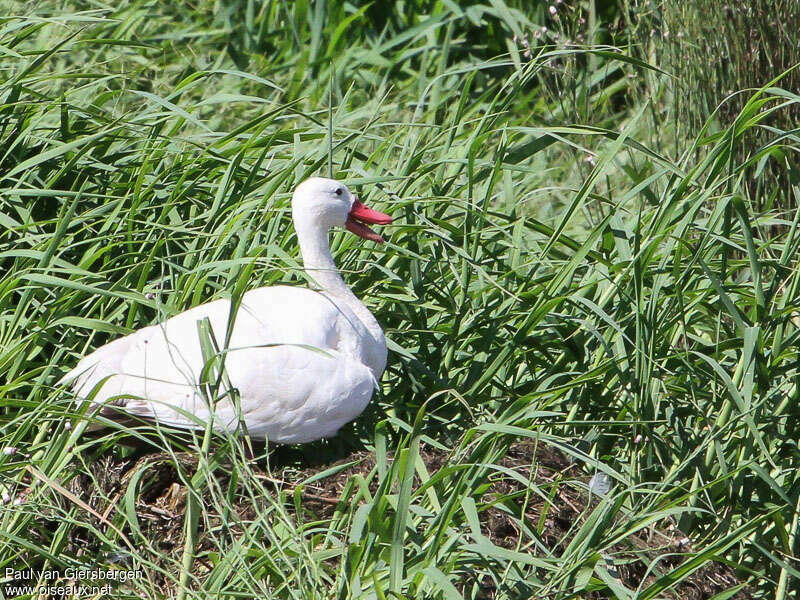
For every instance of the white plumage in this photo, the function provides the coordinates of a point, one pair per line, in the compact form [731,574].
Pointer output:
[303,362]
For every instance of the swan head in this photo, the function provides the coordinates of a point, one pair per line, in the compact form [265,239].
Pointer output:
[322,203]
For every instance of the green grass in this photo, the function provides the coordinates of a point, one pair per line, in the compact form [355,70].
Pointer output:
[569,282]
[721,53]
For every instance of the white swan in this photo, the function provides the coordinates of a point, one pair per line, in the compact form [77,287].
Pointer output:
[303,363]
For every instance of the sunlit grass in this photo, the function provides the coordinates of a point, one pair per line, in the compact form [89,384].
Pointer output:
[573,285]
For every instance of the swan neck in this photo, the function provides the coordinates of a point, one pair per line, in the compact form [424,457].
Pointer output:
[318,263]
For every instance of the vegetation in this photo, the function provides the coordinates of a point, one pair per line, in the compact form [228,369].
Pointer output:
[593,378]
[721,52]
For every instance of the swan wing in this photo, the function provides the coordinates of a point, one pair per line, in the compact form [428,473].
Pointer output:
[291,375]
[284,393]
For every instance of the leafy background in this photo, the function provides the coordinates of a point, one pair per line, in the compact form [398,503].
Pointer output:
[589,257]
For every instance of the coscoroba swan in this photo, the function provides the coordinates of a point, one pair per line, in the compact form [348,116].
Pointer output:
[303,362]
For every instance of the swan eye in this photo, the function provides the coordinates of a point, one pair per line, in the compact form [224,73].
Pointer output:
[338,191]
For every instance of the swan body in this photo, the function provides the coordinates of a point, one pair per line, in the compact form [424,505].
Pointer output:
[302,363]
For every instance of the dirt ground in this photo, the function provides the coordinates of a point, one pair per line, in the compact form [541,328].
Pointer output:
[161,504]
